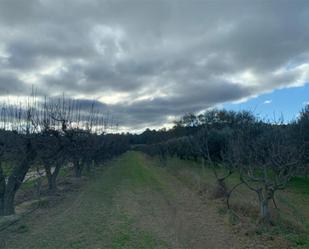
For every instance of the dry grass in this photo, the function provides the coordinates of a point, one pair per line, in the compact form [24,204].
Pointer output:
[291,220]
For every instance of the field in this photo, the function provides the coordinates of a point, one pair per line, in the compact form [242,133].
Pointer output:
[133,202]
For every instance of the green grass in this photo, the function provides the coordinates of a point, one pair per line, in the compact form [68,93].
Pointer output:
[64,172]
[93,218]
[30,184]
[300,185]
[128,237]
[7,168]
[137,174]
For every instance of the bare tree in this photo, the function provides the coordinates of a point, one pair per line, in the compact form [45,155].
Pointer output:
[18,146]
[267,164]
[212,146]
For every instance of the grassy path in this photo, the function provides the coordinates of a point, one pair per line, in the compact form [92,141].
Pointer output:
[132,204]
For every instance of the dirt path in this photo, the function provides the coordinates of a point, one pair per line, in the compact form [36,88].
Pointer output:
[131,205]
[178,215]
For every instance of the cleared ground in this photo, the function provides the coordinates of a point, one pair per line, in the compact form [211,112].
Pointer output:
[131,204]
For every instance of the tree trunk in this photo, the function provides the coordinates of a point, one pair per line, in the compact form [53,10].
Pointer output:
[49,176]
[264,206]
[15,180]
[1,205]
[264,210]
[52,183]
[78,168]
[8,189]
[52,176]
[8,204]
[221,189]
[203,165]
[2,191]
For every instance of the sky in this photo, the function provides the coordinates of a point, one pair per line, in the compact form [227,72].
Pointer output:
[149,62]
[284,104]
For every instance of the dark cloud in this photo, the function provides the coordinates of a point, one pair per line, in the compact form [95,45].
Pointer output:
[148,61]
[10,85]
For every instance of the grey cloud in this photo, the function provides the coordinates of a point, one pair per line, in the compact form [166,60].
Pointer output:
[10,85]
[143,112]
[169,57]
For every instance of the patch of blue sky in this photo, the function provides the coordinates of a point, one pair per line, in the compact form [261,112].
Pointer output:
[283,103]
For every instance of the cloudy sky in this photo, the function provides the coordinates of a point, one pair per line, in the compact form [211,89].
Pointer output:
[151,61]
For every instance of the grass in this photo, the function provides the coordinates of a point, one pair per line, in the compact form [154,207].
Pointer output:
[106,211]
[92,218]
[6,167]
[64,171]
[292,219]
[300,185]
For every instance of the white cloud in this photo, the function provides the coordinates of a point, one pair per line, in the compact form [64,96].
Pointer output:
[269,101]
[306,103]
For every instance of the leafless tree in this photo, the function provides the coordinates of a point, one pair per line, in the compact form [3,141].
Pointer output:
[213,154]
[18,145]
[267,163]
